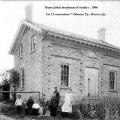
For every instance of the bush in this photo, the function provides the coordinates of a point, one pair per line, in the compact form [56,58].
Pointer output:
[92,111]
[83,108]
[77,115]
[8,110]
[98,107]
[100,110]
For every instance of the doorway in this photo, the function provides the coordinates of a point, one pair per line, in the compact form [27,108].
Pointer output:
[91,81]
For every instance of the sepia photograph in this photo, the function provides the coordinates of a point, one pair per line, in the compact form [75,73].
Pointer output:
[60,60]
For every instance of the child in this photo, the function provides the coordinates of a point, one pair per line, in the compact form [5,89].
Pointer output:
[18,104]
[35,108]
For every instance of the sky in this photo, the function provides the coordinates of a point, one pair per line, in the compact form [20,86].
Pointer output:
[11,14]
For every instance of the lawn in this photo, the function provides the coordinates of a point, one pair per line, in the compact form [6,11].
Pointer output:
[9,110]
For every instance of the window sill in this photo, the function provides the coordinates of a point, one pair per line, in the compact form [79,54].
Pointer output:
[92,57]
[20,58]
[65,87]
[32,51]
[113,91]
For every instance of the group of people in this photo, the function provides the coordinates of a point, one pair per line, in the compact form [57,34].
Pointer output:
[32,107]
[55,107]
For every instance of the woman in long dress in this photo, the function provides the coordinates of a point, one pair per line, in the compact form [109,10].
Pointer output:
[67,105]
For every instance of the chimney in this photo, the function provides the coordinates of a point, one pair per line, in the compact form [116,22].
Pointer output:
[28,12]
[101,34]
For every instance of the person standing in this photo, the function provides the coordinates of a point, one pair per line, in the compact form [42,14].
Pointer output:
[54,102]
[18,104]
[29,105]
[44,104]
[67,105]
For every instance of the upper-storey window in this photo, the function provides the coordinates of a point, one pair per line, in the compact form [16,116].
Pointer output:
[112,76]
[33,43]
[64,75]
[20,50]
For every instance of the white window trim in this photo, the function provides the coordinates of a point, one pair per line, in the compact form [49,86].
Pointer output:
[62,86]
[21,79]
[33,41]
[115,84]
[20,51]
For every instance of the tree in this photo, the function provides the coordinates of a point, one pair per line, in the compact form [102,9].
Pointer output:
[4,75]
[14,81]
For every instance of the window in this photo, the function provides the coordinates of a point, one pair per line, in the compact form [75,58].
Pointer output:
[64,75]
[20,50]
[33,43]
[22,79]
[112,80]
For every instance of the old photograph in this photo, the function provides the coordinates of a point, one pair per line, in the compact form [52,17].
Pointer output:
[60,60]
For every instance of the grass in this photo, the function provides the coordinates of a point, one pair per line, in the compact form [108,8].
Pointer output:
[10,111]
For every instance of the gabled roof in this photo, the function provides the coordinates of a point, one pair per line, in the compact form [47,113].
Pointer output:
[69,36]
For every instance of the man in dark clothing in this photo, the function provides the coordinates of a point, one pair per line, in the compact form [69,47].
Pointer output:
[29,105]
[54,102]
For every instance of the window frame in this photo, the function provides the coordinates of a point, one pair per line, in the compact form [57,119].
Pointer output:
[62,85]
[22,78]
[21,50]
[115,81]
[33,43]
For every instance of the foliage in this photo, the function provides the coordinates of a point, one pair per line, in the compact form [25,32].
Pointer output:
[14,81]
[8,110]
[4,75]
[14,78]
[112,104]
[101,107]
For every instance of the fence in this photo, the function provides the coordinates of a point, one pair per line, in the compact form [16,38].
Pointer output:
[38,93]
[99,107]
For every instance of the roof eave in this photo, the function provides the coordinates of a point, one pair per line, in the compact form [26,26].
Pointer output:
[16,38]
[40,30]
[11,51]
[82,41]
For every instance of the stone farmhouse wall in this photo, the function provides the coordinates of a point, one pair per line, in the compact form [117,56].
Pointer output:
[31,63]
[43,71]
[78,59]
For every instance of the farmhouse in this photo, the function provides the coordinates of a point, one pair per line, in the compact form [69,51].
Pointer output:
[46,57]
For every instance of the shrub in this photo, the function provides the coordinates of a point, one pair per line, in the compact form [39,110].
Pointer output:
[100,110]
[98,107]
[92,111]
[8,110]
[83,108]
[77,115]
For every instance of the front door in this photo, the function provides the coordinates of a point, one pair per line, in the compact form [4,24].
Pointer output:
[91,81]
